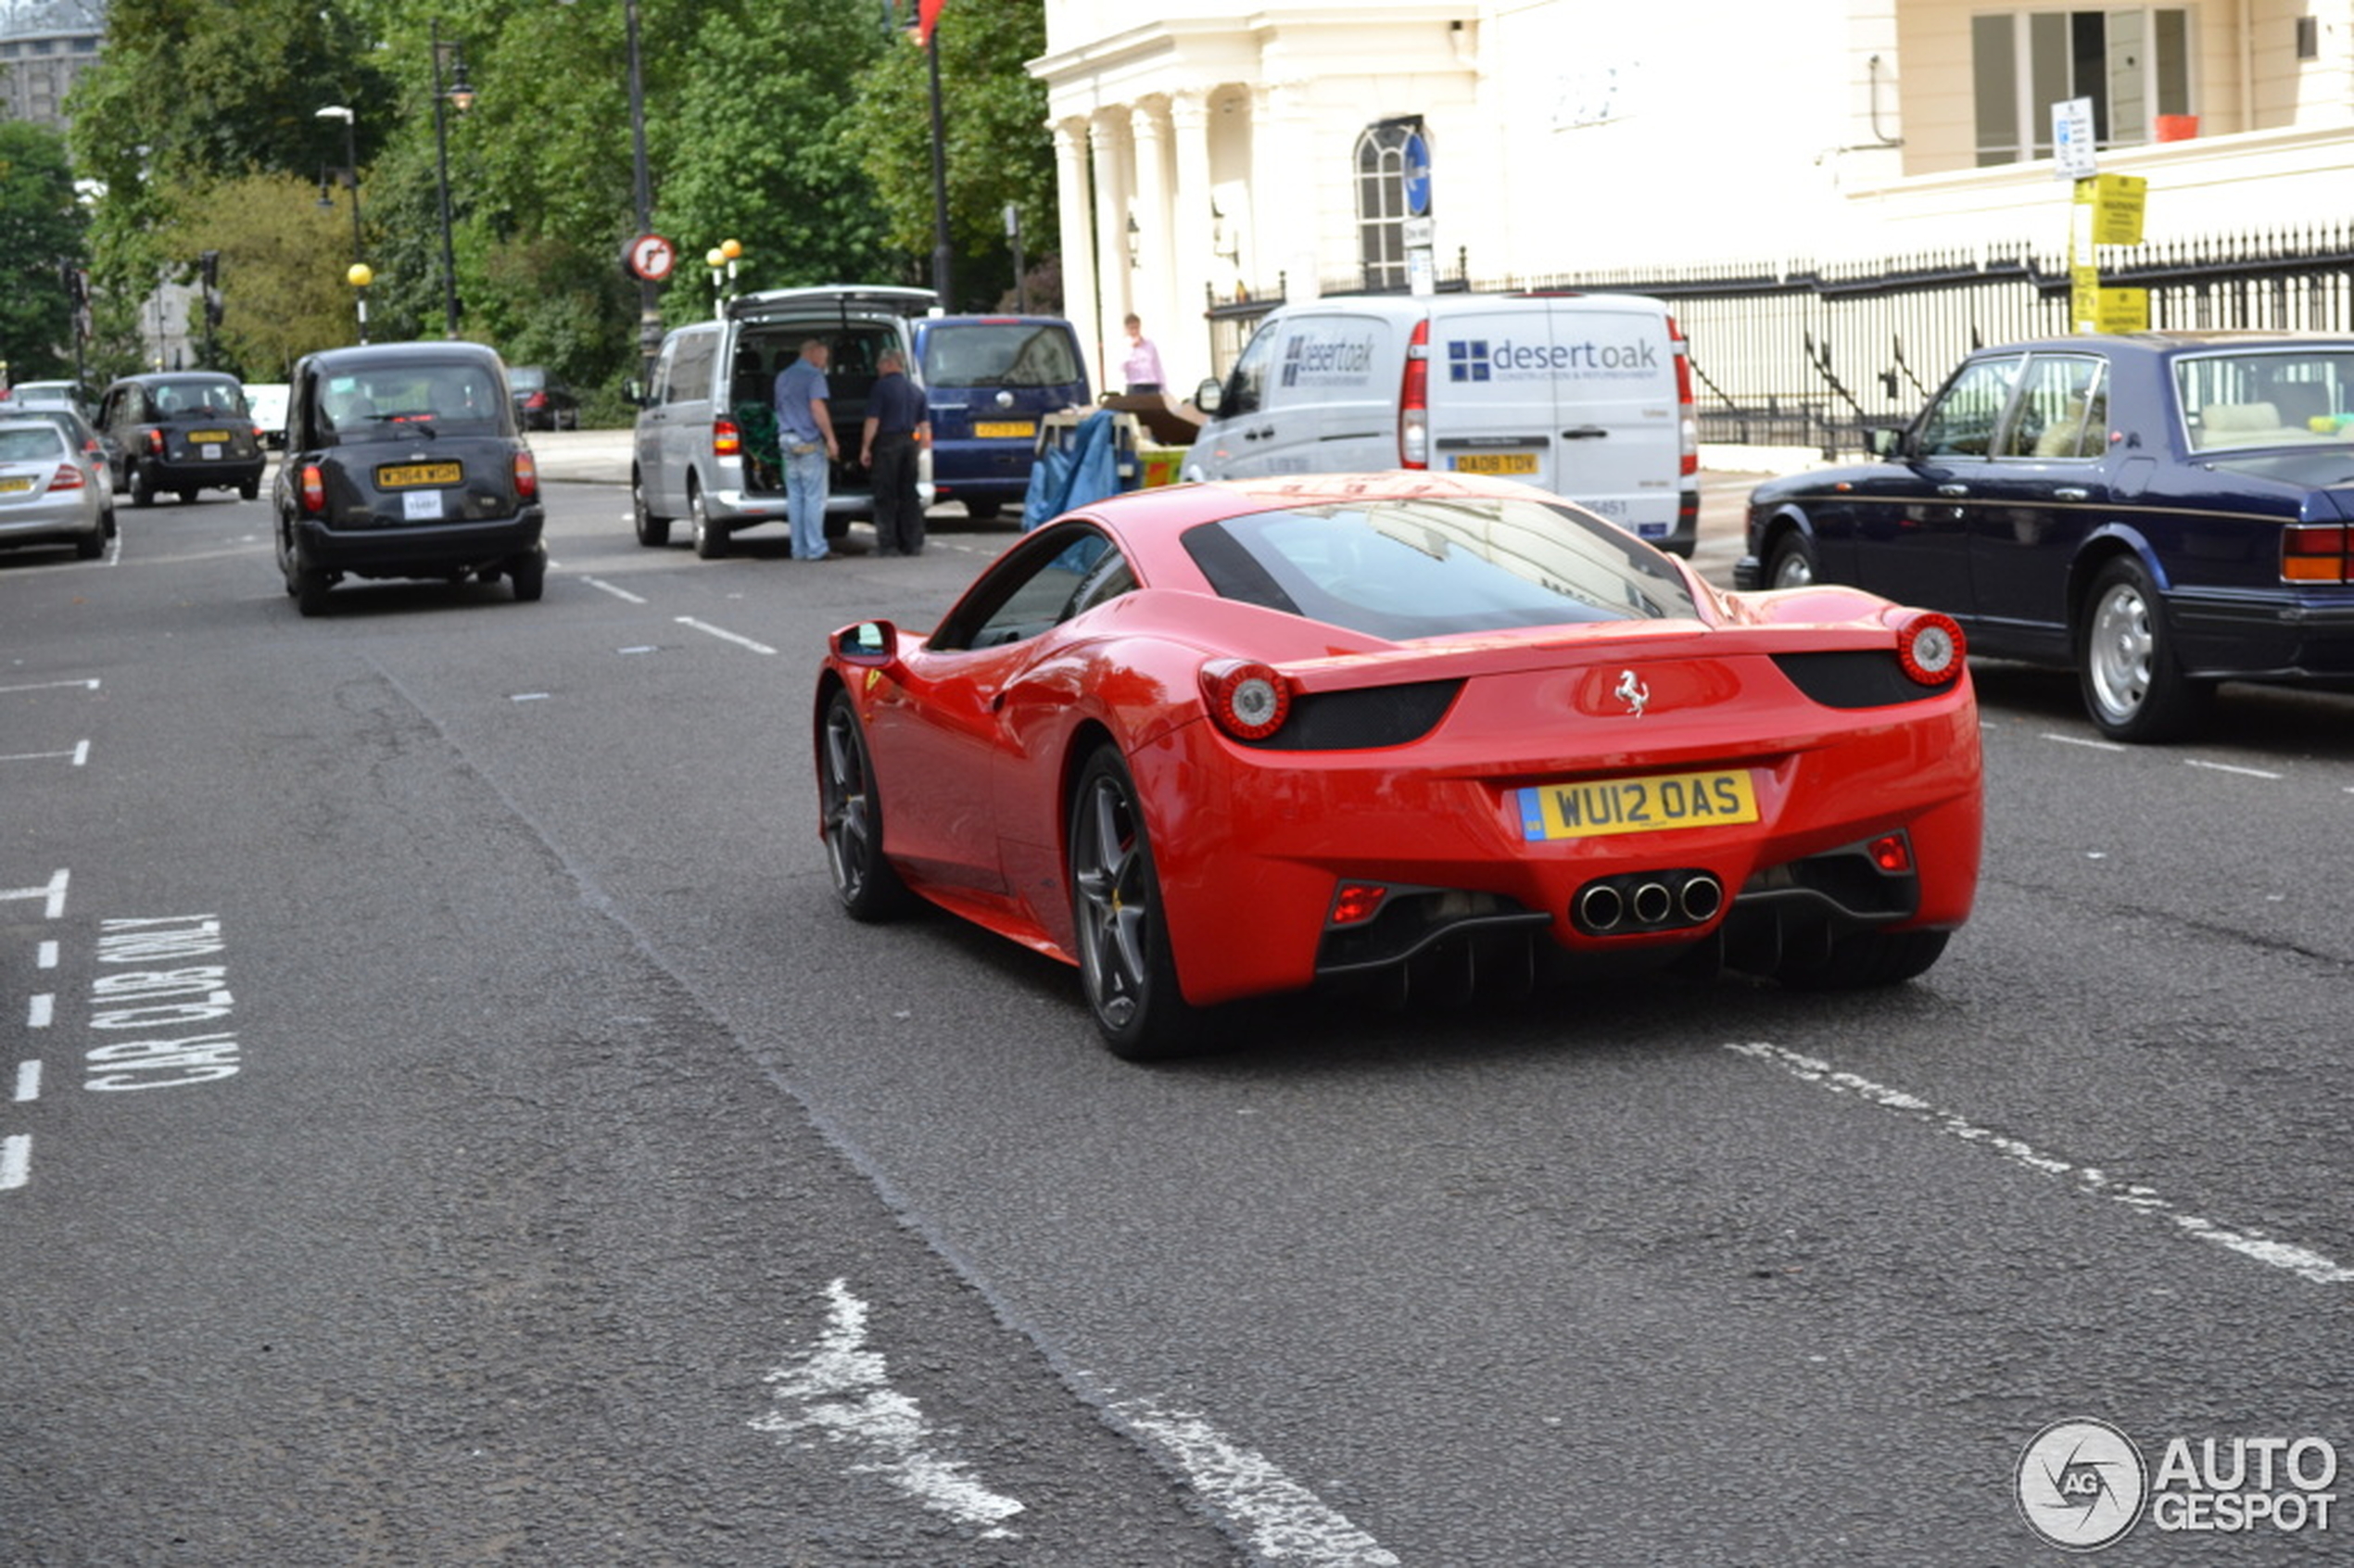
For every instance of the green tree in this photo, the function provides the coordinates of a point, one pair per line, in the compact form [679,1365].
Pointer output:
[280,277]
[40,234]
[998,148]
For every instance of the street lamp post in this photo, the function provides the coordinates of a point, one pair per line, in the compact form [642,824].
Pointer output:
[461,96]
[642,185]
[358,272]
[940,249]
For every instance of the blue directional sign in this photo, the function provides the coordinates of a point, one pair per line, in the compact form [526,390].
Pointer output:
[1417,175]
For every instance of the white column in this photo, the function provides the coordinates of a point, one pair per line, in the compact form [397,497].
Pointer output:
[1287,186]
[1153,282]
[1113,287]
[1184,342]
[1075,202]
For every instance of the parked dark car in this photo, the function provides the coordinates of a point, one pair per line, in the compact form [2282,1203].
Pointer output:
[186,431]
[2161,510]
[990,380]
[403,461]
[541,402]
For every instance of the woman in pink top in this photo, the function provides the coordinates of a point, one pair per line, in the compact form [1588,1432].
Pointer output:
[1141,369]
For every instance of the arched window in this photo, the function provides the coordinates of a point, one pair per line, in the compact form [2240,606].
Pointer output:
[1381,204]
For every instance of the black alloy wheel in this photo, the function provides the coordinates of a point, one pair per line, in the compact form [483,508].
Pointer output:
[850,814]
[1122,935]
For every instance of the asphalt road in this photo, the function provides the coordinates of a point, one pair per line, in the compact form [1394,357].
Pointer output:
[452,1123]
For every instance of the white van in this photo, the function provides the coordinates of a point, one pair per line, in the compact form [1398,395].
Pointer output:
[1589,395]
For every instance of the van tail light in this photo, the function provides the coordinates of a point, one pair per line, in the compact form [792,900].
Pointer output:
[1930,647]
[527,475]
[1686,421]
[314,489]
[1413,401]
[68,477]
[726,440]
[2312,552]
[1248,700]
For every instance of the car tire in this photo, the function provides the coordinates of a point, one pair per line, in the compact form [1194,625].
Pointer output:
[89,547]
[1793,562]
[529,575]
[851,821]
[2135,689]
[1866,960]
[189,498]
[143,486]
[311,585]
[653,532]
[1118,924]
[108,523]
[711,540]
[249,490]
[984,510]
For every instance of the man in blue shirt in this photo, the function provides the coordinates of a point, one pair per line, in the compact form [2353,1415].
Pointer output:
[898,424]
[805,439]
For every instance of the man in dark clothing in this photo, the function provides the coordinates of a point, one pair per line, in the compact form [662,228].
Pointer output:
[898,426]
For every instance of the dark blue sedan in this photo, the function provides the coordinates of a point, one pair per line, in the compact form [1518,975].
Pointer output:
[2161,510]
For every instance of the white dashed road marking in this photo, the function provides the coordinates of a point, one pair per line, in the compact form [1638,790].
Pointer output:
[710,630]
[2298,1260]
[1286,1522]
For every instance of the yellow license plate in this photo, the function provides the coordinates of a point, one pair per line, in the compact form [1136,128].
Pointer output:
[208,434]
[408,474]
[1005,427]
[1496,463]
[1599,806]
[11,487]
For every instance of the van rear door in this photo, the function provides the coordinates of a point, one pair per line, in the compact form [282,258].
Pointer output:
[1577,394]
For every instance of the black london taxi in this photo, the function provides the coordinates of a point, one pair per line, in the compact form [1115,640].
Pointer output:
[403,461]
[2161,511]
[182,431]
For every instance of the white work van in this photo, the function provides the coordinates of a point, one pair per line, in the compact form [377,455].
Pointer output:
[1585,395]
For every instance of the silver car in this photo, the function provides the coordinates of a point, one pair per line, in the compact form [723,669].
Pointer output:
[49,490]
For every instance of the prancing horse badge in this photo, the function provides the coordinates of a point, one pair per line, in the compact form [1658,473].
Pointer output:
[1632,692]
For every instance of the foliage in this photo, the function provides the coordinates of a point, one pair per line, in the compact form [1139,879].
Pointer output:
[40,233]
[200,119]
[994,113]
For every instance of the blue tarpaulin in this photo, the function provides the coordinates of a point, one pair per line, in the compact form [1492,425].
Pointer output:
[1083,470]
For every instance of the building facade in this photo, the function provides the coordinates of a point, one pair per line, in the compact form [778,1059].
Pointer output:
[44,47]
[1208,152]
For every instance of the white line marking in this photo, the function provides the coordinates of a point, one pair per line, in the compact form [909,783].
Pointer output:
[40,1009]
[842,1390]
[2082,740]
[28,1080]
[2227,768]
[15,1160]
[617,593]
[2252,1244]
[725,636]
[1287,1523]
[528,697]
[54,891]
[51,686]
[46,955]
[80,754]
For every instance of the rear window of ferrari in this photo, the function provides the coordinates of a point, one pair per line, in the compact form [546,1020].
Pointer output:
[1436,566]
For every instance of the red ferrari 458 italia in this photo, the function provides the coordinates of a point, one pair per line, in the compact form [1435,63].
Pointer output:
[1420,731]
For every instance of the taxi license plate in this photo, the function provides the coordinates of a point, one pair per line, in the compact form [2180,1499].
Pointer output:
[404,475]
[202,437]
[1646,804]
[11,487]
[1496,463]
[1005,427]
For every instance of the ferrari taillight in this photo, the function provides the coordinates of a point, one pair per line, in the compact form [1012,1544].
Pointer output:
[1930,647]
[726,440]
[1413,401]
[315,489]
[527,475]
[1355,902]
[1248,700]
[2312,552]
[68,477]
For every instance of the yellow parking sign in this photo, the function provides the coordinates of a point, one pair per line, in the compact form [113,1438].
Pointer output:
[2117,202]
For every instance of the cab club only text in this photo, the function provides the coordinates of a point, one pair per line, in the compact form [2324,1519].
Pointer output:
[163,1012]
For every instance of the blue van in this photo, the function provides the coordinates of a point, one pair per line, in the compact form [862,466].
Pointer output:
[990,380]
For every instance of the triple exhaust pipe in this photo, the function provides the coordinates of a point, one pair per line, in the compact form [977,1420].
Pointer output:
[1647,901]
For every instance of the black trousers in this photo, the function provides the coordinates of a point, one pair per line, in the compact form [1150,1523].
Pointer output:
[898,514]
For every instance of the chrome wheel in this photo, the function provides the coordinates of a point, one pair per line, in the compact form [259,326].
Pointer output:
[2118,650]
[711,540]
[1793,564]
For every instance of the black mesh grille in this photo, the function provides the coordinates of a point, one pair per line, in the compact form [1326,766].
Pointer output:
[1856,679]
[1371,716]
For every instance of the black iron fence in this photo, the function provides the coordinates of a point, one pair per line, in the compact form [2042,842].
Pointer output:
[1807,356]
